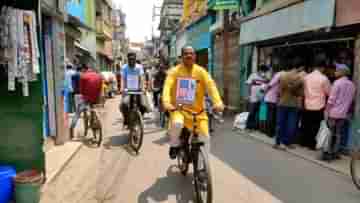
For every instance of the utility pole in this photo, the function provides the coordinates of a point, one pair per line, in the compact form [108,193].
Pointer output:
[154,15]
[226,57]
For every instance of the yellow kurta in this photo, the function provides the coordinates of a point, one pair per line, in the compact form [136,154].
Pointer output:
[204,84]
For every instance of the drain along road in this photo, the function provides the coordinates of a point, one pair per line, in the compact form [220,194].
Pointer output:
[244,171]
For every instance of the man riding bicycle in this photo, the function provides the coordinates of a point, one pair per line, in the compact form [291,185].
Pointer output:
[132,78]
[90,90]
[186,84]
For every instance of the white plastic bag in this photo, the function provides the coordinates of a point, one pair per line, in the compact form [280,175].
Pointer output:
[323,136]
[240,121]
[147,101]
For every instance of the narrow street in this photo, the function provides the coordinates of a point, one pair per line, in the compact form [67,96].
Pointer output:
[243,169]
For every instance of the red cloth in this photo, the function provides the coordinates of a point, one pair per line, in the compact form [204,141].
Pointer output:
[90,86]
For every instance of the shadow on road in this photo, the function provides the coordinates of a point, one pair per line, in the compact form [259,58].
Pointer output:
[162,141]
[165,188]
[88,141]
[156,130]
[117,140]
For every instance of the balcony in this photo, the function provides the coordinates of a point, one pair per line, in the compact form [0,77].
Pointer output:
[103,30]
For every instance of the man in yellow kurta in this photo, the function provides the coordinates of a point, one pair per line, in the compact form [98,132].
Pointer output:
[187,84]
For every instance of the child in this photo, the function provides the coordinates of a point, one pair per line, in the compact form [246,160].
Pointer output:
[262,110]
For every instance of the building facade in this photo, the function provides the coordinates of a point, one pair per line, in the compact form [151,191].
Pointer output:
[104,34]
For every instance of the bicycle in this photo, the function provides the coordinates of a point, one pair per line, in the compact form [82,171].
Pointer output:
[354,168]
[91,120]
[192,151]
[212,116]
[163,115]
[136,123]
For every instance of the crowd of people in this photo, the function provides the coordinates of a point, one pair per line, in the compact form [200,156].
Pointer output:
[290,105]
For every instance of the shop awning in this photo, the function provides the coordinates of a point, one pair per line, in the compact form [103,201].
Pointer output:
[84,49]
[223,4]
[198,35]
[302,17]
[106,55]
[77,22]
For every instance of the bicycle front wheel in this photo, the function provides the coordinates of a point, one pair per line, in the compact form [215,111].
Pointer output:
[355,169]
[183,163]
[136,131]
[202,178]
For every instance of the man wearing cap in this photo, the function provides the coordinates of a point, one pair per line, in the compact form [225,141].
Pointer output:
[337,109]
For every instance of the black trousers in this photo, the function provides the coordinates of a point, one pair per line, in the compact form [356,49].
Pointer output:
[252,121]
[271,119]
[157,98]
[310,126]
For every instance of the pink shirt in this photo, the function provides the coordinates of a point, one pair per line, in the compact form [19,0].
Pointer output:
[272,95]
[317,87]
[341,97]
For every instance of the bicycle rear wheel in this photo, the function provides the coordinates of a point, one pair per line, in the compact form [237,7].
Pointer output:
[96,130]
[202,178]
[355,169]
[136,131]
[86,123]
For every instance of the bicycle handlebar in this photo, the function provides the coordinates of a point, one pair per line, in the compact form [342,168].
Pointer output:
[181,108]
[133,92]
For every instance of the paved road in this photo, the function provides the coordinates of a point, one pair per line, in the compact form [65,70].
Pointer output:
[244,171]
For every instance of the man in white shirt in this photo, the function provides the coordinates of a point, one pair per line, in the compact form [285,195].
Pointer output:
[256,82]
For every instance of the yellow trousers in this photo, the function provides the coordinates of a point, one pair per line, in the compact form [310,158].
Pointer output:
[187,121]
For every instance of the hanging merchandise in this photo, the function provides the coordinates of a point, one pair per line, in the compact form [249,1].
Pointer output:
[19,47]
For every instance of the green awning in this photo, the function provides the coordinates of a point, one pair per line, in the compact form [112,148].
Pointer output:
[223,4]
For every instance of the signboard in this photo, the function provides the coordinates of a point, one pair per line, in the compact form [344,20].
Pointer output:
[302,17]
[223,4]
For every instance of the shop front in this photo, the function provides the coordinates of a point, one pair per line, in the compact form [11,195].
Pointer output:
[348,17]
[21,87]
[199,37]
[173,54]
[296,31]
[302,32]
[181,40]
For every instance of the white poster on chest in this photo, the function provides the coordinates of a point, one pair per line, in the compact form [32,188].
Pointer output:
[133,82]
[186,91]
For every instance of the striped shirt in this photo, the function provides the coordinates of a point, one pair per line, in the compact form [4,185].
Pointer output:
[341,97]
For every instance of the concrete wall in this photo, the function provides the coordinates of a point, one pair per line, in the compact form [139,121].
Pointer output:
[88,38]
[234,68]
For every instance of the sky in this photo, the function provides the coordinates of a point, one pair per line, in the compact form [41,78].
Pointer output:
[139,18]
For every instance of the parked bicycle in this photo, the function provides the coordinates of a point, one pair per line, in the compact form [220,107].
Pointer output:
[136,123]
[192,151]
[355,168]
[92,121]
[212,116]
